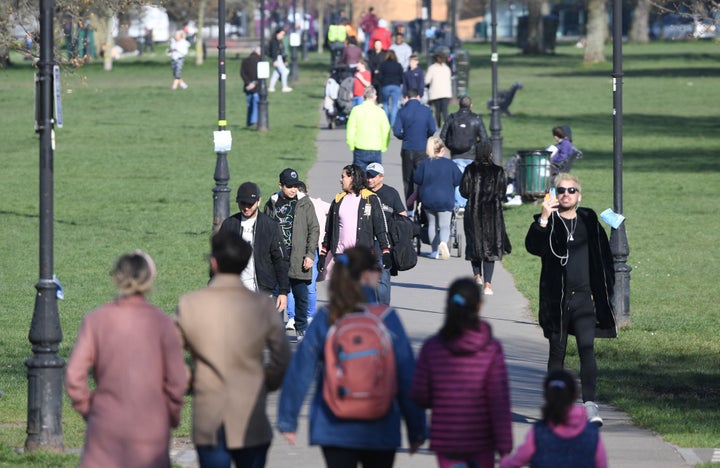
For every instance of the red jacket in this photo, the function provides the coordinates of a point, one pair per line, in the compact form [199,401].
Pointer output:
[383,35]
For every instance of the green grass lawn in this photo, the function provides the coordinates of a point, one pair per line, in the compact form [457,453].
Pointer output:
[134,169]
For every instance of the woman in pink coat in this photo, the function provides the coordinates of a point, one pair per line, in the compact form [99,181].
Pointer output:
[462,377]
[135,355]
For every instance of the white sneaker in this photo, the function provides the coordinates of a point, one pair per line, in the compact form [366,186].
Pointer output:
[272,90]
[183,85]
[488,291]
[593,413]
[514,201]
[290,325]
[434,255]
[286,89]
[443,252]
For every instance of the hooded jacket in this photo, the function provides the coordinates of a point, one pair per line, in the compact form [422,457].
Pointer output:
[552,274]
[305,234]
[465,384]
[573,427]
[371,223]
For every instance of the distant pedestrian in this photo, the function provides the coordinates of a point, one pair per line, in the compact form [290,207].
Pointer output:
[295,214]
[462,377]
[351,54]
[267,269]
[251,84]
[349,442]
[437,178]
[179,48]
[402,50]
[391,205]
[390,77]
[563,437]
[278,58]
[368,23]
[382,34]
[461,133]
[414,78]
[438,79]
[367,132]
[484,185]
[414,125]
[239,354]
[355,218]
[133,351]
[576,281]
[362,79]
[375,57]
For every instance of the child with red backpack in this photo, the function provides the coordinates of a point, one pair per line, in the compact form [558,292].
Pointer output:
[355,414]
[462,377]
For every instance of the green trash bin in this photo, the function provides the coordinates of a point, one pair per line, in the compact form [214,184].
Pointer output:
[533,176]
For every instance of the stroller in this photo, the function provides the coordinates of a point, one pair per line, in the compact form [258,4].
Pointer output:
[455,242]
[338,96]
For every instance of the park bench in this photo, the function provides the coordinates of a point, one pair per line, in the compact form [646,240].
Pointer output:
[237,46]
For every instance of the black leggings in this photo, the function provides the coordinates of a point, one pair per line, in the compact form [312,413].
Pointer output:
[487,268]
[441,110]
[340,457]
[579,316]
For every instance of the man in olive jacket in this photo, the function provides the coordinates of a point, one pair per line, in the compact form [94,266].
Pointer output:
[226,327]
[295,214]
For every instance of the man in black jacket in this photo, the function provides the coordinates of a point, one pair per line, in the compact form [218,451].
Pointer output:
[248,73]
[267,270]
[461,133]
[576,281]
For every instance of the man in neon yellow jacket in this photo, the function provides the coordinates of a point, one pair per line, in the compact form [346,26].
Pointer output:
[368,131]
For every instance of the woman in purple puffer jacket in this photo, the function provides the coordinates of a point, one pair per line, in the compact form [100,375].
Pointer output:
[461,376]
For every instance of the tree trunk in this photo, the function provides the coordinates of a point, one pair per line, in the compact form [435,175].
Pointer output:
[597,31]
[322,8]
[199,56]
[535,29]
[639,30]
[109,43]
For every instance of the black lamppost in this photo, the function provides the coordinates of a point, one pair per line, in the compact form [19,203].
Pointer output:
[618,237]
[304,37]
[263,91]
[293,46]
[495,125]
[45,367]
[221,191]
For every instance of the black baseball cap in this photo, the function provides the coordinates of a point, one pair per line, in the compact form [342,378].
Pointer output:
[289,177]
[248,192]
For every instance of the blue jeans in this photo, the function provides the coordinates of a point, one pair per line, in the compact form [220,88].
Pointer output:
[252,108]
[357,100]
[363,157]
[460,202]
[219,456]
[312,295]
[300,294]
[382,292]
[391,100]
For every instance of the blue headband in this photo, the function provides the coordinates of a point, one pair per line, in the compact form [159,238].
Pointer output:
[556,383]
[458,299]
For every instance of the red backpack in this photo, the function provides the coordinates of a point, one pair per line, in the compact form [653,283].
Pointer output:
[360,379]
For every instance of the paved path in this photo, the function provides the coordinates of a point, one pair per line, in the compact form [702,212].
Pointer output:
[418,295]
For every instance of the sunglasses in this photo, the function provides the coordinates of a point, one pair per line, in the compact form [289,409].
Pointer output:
[570,190]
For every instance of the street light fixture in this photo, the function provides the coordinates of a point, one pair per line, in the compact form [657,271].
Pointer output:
[618,237]
[222,137]
[263,75]
[45,367]
[495,125]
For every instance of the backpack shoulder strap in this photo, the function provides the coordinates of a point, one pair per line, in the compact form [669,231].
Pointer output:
[378,310]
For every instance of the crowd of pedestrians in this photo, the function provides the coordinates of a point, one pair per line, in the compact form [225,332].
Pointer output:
[234,334]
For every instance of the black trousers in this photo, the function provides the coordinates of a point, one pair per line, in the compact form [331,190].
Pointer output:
[441,110]
[411,159]
[340,457]
[579,316]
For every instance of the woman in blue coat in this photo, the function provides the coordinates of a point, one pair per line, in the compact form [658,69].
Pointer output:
[347,442]
[437,178]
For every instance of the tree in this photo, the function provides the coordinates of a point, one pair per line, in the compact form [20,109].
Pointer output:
[597,32]
[640,19]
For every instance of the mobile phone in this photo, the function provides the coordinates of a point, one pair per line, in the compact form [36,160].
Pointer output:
[552,193]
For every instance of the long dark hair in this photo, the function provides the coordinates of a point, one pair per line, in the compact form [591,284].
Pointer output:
[346,295]
[358,176]
[461,308]
[483,152]
[560,391]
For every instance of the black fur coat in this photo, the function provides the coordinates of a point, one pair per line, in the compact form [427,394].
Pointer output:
[484,186]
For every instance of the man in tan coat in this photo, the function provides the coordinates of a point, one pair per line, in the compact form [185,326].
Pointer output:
[225,327]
